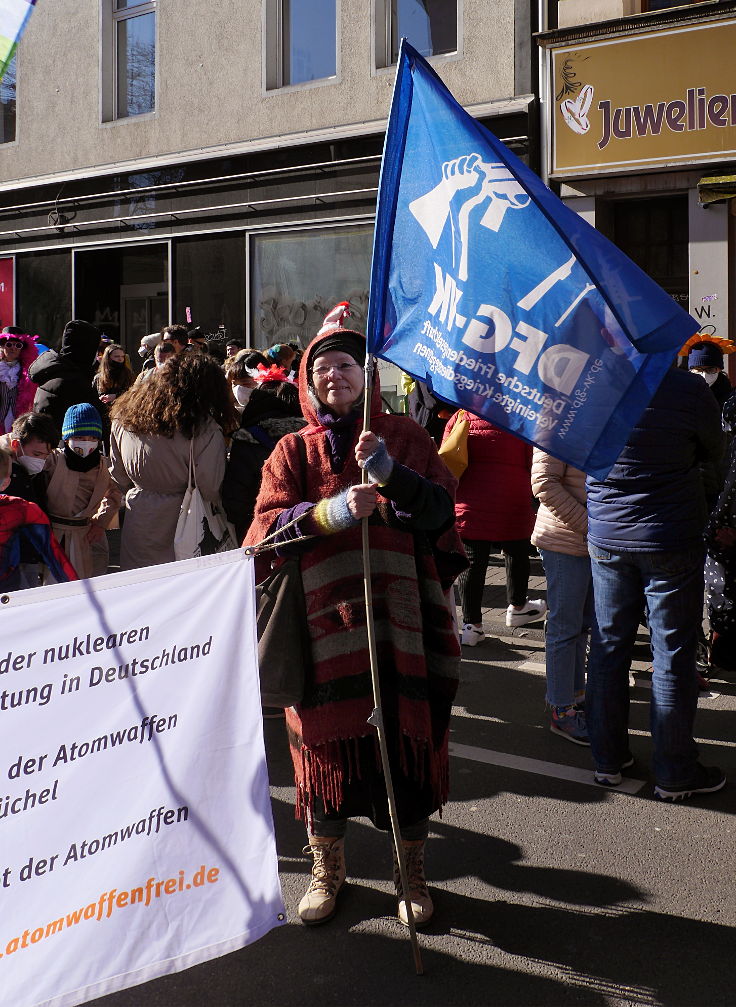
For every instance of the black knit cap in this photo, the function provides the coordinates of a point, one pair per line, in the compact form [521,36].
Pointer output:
[342,341]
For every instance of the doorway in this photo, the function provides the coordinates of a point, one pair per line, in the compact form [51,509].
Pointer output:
[144,308]
[123,291]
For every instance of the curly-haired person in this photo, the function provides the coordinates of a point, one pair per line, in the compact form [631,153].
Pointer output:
[153,426]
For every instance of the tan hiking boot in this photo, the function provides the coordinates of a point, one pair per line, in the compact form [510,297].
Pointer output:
[421,901]
[328,874]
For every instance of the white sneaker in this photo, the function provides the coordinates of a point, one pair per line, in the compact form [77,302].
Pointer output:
[533,611]
[471,635]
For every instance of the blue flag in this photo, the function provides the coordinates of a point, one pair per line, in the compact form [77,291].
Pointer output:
[14,16]
[501,298]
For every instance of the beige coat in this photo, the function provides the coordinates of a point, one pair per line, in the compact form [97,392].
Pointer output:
[81,497]
[562,520]
[153,472]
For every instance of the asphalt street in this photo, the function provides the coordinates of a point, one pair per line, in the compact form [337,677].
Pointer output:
[548,889]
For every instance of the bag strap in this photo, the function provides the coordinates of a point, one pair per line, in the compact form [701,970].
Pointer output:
[264,439]
[192,470]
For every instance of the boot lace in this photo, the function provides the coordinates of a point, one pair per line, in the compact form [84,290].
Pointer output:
[414,856]
[324,869]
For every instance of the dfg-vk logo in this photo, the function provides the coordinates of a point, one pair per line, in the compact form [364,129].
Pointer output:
[474,194]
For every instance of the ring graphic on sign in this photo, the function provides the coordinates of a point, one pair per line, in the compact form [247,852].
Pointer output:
[575,110]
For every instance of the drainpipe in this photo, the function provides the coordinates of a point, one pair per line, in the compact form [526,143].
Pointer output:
[542,86]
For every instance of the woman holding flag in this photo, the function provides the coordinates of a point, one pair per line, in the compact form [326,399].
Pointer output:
[415,555]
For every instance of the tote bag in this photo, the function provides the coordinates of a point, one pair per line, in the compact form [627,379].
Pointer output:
[202,528]
[454,450]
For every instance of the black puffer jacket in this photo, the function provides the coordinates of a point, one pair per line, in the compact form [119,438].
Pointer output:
[64,378]
[265,420]
[653,498]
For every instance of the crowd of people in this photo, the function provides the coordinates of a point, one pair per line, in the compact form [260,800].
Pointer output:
[276,438]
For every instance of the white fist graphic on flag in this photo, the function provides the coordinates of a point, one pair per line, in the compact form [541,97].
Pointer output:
[498,188]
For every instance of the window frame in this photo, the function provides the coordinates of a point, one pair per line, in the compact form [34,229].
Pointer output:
[381,37]
[110,20]
[273,51]
[644,7]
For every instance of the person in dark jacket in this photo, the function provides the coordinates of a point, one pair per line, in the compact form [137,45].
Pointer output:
[64,378]
[705,358]
[645,538]
[272,411]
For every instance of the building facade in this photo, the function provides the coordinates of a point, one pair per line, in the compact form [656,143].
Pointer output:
[164,161]
[640,137]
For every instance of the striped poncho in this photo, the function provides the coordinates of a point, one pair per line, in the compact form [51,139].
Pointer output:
[411,534]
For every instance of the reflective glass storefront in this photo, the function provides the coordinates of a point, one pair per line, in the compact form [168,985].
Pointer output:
[297,276]
[258,288]
[44,294]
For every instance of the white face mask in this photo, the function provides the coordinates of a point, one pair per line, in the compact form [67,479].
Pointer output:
[143,352]
[242,394]
[82,448]
[710,379]
[30,464]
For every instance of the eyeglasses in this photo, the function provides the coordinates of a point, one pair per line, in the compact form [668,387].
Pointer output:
[322,372]
[11,344]
[165,348]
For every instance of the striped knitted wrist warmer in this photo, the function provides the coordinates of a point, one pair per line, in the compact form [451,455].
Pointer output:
[333,515]
[380,465]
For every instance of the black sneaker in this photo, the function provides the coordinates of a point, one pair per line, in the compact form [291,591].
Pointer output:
[707,780]
[612,779]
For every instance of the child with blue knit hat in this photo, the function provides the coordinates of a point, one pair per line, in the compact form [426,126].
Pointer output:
[81,498]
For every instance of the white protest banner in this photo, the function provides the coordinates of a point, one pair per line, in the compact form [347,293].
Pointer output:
[136,836]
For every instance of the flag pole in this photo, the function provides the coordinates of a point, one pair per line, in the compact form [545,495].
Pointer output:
[376,718]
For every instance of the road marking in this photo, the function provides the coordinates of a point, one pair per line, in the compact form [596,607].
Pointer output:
[537,667]
[639,667]
[539,768]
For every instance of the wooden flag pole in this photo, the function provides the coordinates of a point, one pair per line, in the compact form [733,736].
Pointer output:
[376,718]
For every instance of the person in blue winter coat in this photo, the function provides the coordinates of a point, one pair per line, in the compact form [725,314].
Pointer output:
[645,538]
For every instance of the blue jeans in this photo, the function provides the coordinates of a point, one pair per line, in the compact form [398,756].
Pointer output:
[670,584]
[570,616]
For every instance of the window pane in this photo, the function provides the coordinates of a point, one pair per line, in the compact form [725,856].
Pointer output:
[136,65]
[127,4]
[44,293]
[430,26]
[298,276]
[209,278]
[654,233]
[7,104]
[309,28]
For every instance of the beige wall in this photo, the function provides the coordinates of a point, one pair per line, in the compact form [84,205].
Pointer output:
[210,84]
[574,12]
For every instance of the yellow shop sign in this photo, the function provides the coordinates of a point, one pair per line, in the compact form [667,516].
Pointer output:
[645,101]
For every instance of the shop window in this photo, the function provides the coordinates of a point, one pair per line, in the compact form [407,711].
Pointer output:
[296,277]
[431,26]
[129,58]
[209,280]
[7,103]
[301,41]
[44,294]
[654,233]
